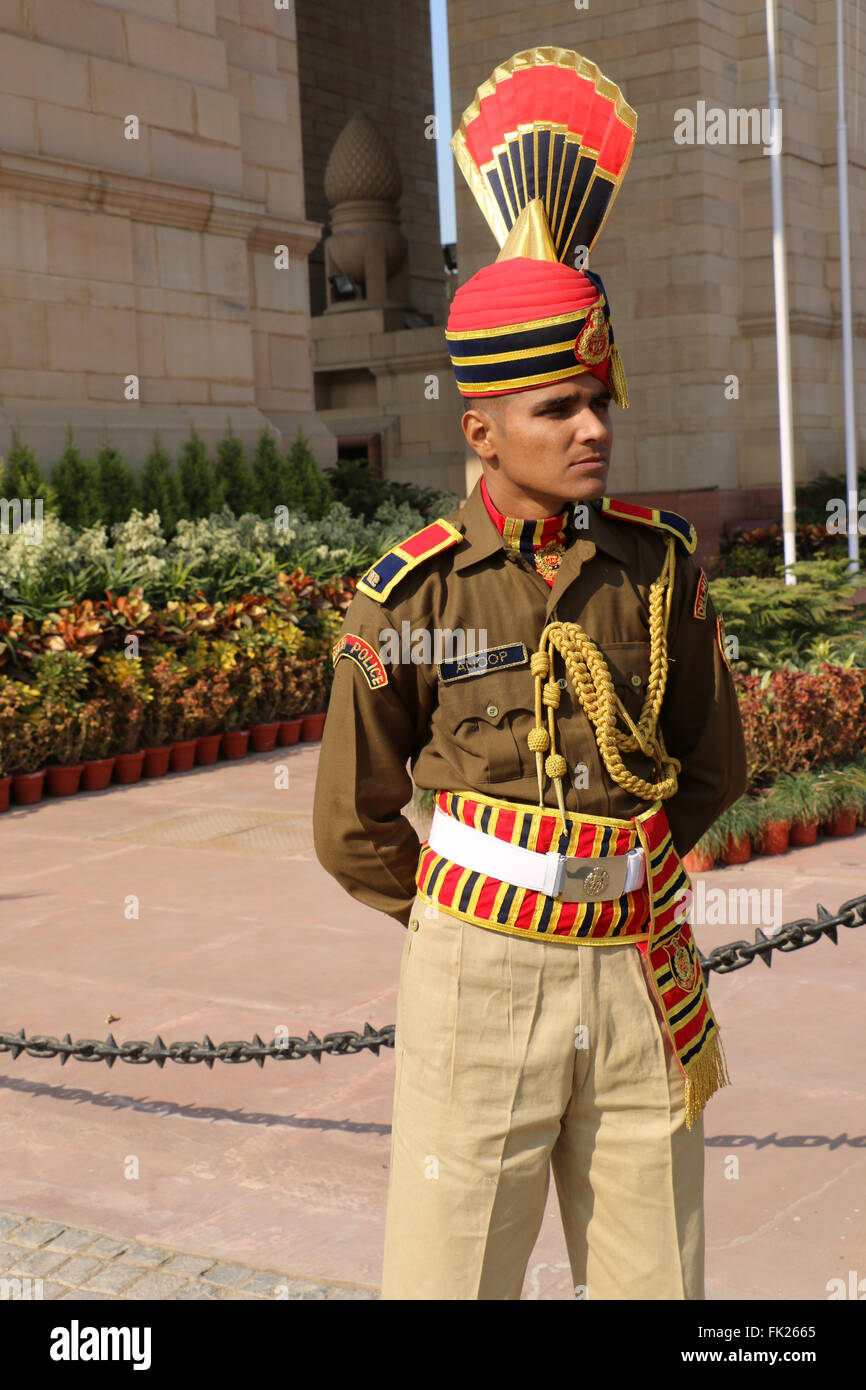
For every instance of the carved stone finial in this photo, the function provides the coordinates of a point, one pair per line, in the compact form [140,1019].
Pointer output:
[362,165]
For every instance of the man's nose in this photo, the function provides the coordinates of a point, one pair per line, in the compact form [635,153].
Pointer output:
[590,426]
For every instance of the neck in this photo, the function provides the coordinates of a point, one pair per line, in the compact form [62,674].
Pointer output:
[521,504]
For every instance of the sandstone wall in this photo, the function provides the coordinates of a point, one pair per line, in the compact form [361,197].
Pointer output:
[151,257]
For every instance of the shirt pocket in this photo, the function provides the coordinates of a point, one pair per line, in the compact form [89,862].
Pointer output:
[478,716]
[629,665]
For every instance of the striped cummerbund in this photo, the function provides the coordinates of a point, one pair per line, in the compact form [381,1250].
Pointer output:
[488,902]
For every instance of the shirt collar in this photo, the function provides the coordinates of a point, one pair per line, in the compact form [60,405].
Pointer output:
[519,533]
[481,538]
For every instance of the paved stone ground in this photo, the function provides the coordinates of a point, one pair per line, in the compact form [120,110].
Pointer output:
[75,1264]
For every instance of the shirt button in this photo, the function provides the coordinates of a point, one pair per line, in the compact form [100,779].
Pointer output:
[562,682]
[414,924]
[635,678]
[493,710]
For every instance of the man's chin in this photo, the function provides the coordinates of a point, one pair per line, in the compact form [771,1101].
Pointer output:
[584,487]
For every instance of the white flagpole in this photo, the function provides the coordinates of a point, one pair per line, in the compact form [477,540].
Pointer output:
[780,281]
[845,291]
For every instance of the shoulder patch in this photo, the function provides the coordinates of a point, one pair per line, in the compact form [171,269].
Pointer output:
[653,516]
[395,564]
[364,656]
[702,593]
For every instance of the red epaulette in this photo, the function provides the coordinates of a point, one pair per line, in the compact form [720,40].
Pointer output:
[395,564]
[653,516]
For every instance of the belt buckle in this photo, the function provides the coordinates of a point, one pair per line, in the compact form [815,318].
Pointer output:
[594,880]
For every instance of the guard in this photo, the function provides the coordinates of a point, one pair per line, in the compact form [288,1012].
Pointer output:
[565,694]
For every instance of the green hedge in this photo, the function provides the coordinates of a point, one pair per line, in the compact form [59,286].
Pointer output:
[104,490]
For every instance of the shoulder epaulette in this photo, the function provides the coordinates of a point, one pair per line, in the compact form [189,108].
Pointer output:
[395,564]
[653,516]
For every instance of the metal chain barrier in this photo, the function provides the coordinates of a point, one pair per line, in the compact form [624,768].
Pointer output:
[793,936]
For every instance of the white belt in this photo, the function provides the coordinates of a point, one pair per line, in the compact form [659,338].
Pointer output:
[557,875]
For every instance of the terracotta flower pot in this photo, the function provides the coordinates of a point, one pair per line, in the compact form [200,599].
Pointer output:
[774,837]
[97,774]
[263,737]
[697,862]
[842,823]
[738,850]
[127,766]
[27,787]
[183,755]
[63,779]
[289,732]
[803,834]
[311,730]
[234,744]
[156,761]
[207,748]
[5,789]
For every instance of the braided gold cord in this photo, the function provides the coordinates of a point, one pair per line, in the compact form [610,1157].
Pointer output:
[600,703]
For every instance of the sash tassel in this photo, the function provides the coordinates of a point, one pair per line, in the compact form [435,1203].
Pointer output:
[707,1074]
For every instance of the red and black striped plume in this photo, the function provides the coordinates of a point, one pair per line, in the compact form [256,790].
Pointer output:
[547,125]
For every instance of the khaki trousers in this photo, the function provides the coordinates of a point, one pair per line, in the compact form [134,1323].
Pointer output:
[513,1055]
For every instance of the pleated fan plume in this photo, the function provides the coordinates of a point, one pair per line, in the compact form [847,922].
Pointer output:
[544,146]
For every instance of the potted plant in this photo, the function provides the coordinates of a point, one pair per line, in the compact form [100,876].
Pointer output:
[97,727]
[737,825]
[10,717]
[184,739]
[162,716]
[314,688]
[182,756]
[61,678]
[246,680]
[857,773]
[125,686]
[29,750]
[796,792]
[840,793]
[702,856]
[291,722]
[266,725]
[63,772]
[772,826]
[205,705]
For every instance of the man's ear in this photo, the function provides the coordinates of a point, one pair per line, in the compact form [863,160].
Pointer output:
[480,427]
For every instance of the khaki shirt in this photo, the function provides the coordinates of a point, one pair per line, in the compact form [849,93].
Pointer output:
[469,733]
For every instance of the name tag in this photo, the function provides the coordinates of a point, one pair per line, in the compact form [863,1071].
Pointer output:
[479,664]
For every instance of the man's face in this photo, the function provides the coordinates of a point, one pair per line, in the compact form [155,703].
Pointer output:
[550,445]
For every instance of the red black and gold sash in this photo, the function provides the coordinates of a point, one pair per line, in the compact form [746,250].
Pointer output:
[654,917]
[675,968]
[488,902]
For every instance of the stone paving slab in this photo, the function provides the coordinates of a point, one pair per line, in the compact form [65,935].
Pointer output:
[286,1167]
[103,1268]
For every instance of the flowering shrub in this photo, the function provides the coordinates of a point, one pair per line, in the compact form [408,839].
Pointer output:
[123,681]
[163,717]
[794,720]
[219,557]
[116,674]
[758,552]
[25,733]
